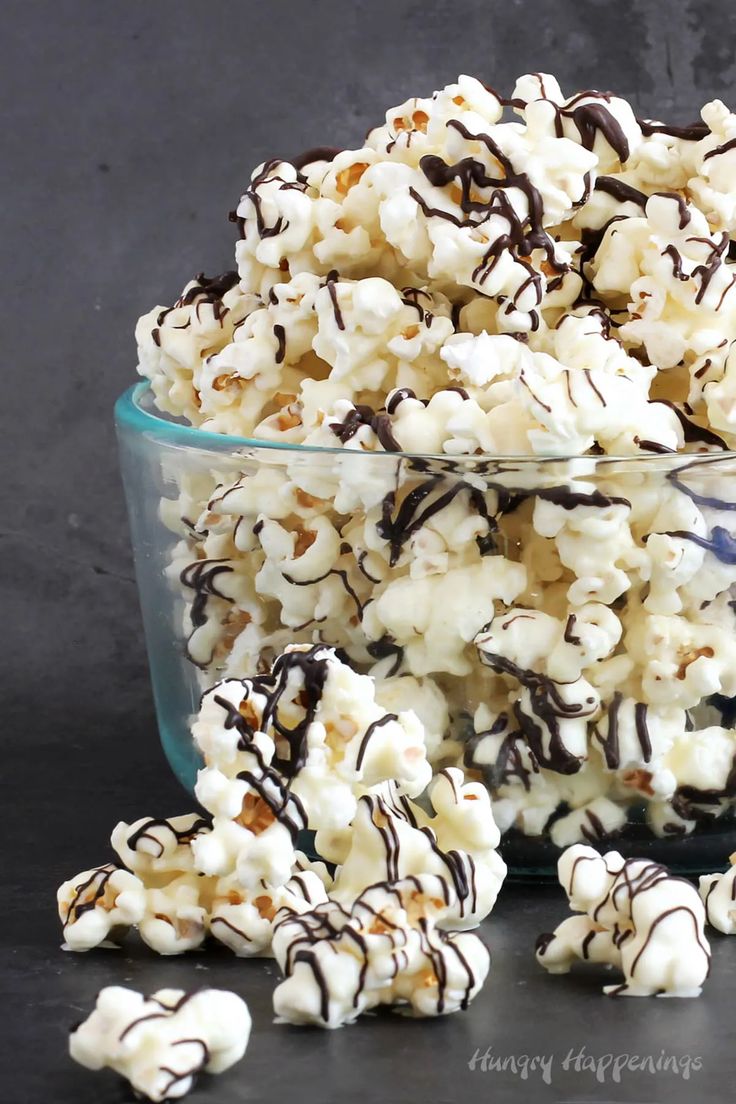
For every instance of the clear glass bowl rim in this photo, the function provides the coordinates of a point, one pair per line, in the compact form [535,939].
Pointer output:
[130,414]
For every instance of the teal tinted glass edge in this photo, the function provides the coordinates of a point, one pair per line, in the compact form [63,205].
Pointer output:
[129,414]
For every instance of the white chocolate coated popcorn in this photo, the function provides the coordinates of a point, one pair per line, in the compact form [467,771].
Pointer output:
[96,903]
[719,898]
[162,1042]
[393,838]
[503,330]
[386,949]
[637,917]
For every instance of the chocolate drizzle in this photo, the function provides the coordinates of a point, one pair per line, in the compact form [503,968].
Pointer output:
[591,119]
[675,478]
[317,153]
[718,150]
[721,543]
[523,236]
[95,886]
[546,705]
[692,133]
[331,281]
[328,925]
[280,334]
[621,191]
[183,835]
[569,636]
[415,511]
[385,647]
[693,433]
[205,290]
[362,415]
[200,577]
[387,719]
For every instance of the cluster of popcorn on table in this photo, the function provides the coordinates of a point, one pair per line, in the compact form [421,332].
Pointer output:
[306,747]
[558,283]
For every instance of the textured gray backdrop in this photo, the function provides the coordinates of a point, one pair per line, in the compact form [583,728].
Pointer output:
[130,130]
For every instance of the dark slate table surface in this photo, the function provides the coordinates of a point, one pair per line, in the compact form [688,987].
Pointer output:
[129,130]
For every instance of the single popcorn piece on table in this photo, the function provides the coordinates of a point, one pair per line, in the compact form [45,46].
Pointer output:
[385,948]
[719,897]
[161,1043]
[637,917]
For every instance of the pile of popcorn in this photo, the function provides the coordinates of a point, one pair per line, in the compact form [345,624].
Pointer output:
[544,279]
[306,747]
[634,915]
[488,585]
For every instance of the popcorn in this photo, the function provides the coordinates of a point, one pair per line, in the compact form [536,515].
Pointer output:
[162,1042]
[392,838]
[528,325]
[386,949]
[243,920]
[718,894]
[176,915]
[95,904]
[154,849]
[313,724]
[172,341]
[637,917]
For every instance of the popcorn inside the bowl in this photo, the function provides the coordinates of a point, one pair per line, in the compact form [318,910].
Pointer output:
[539,277]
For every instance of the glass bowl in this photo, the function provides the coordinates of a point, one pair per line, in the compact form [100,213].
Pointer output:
[563,626]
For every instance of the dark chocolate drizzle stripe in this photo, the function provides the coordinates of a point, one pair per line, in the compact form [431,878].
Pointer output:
[730,145]
[177,1076]
[342,575]
[621,191]
[721,543]
[569,635]
[675,479]
[285,805]
[398,528]
[200,576]
[318,153]
[594,829]
[610,744]
[280,334]
[313,672]
[642,730]
[227,924]
[209,290]
[548,706]
[251,193]
[363,415]
[144,1019]
[331,281]
[184,835]
[694,132]
[590,119]
[383,648]
[101,875]
[693,433]
[522,237]
[387,719]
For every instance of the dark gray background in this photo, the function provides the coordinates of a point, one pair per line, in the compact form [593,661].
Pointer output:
[129,131]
